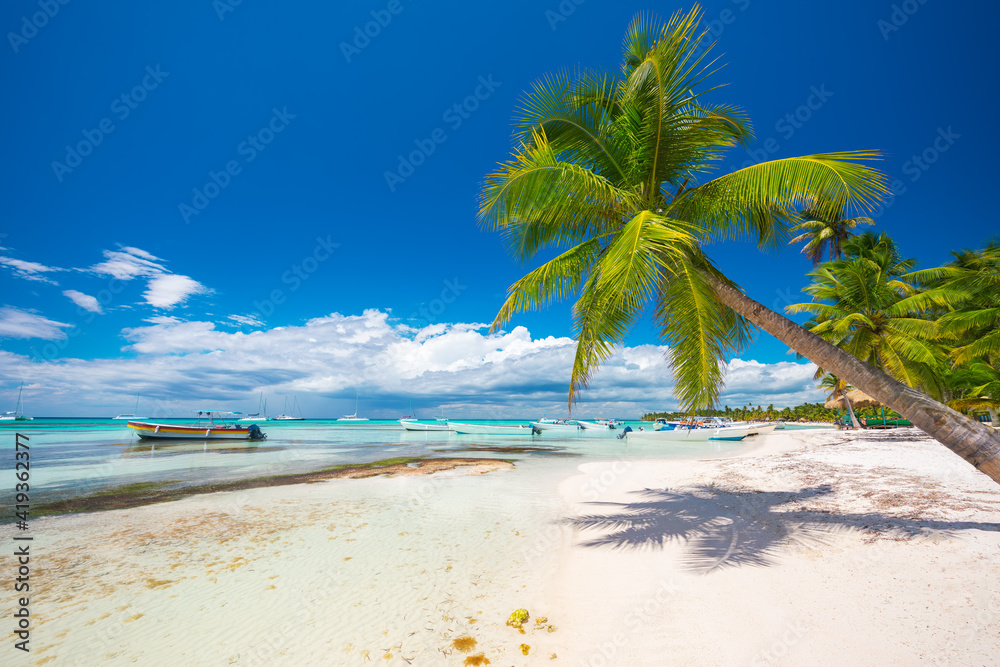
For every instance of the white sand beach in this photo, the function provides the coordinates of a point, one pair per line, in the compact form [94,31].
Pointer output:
[809,547]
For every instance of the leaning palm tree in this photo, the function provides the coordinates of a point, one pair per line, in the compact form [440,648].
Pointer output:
[825,234]
[615,170]
[837,389]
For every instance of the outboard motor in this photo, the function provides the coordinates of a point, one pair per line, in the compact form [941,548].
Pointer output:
[626,430]
[535,430]
[255,433]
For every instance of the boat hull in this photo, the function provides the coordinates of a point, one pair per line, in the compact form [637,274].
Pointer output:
[425,426]
[154,431]
[486,429]
[543,426]
[692,434]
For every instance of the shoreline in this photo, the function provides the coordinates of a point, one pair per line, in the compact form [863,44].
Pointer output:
[148,493]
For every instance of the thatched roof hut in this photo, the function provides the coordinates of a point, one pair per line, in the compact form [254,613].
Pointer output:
[858,399]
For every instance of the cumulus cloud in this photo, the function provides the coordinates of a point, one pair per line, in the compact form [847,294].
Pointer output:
[85,301]
[457,369]
[170,290]
[30,270]
[17,323]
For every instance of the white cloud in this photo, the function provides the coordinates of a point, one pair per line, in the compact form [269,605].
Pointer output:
[456,369]
[85,301]
[247,320]
[17,323]
[167,291]
[128,263]
[30,270]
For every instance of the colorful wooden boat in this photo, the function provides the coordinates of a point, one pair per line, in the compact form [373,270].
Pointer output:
[211,425]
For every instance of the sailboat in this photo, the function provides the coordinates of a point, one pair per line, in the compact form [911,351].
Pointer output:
[18,413]
[354,417]
[131,415]
[284,417]
[260,415]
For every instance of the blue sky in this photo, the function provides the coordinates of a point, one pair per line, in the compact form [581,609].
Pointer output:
[200,167]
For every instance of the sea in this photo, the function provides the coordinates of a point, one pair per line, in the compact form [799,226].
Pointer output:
[72,457]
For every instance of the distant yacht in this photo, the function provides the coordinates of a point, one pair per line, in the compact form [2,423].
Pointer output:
[131,415]
[354,417]
[261,414]
[18,413]
[284,417]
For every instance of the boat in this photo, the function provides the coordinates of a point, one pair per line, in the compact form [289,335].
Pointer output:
[131,415]
[211,425]
[354,417]
[556,425]
[17,414]
[260,415]
[413,424]
[284,417]
[600,424]
[491,429]
[690,433]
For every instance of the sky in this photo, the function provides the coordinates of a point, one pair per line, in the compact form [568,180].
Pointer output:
[205,200]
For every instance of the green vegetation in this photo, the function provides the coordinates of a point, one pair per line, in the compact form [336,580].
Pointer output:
[615,170]
[814,412]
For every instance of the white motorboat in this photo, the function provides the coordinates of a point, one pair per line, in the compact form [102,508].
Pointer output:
[412,424]
[691,434]
[211,425]
[600,424]
[491,429]
[556,425]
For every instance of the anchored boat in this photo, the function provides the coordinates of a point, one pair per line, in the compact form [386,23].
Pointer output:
[211,425]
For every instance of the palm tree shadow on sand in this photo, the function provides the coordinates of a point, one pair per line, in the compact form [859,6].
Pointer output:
[724,528]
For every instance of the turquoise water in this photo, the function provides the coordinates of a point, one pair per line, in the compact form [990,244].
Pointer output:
[72,457]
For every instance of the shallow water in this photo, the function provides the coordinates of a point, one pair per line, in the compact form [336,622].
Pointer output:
[72,457]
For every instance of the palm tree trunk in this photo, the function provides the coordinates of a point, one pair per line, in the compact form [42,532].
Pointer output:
[975,442]
[850,410]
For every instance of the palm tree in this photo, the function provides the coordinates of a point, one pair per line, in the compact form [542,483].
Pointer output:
[615,167]
[837,387]
[867,305]
[981,384]
[824,233]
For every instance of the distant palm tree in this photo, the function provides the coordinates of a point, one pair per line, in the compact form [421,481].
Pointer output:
[615,167]
[825,234]
[868,305]
[981,384]
[837,387]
